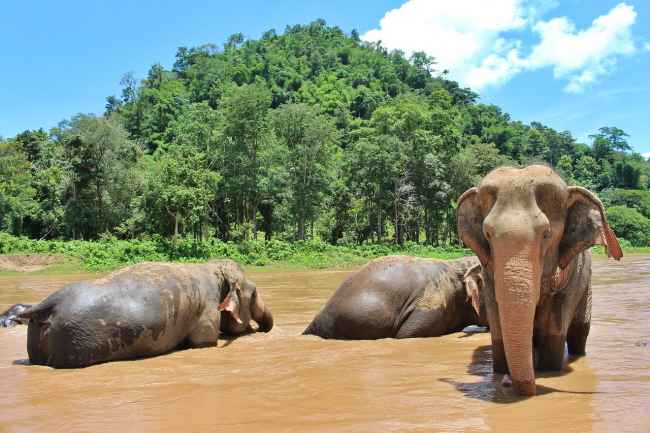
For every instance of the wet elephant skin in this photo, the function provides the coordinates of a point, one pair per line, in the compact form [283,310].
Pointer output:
[143,310]
[10,317]
[399,297]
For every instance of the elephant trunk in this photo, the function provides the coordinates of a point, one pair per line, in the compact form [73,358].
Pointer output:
[266,321]
[261,314]
[517,286]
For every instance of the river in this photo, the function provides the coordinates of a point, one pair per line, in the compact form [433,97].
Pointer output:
[284,382]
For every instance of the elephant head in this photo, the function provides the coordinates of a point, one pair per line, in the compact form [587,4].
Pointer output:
[243,303]
[525,225]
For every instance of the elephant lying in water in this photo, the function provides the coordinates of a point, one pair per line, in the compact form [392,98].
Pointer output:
[403,297]
[10,317]
[143,310]
[531,233]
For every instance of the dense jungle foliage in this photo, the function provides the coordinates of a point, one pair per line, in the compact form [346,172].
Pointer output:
[311,134]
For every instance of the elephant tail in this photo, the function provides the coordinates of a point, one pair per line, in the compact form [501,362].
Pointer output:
[39,312]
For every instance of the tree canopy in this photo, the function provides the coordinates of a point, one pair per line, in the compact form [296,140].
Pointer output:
[309,133]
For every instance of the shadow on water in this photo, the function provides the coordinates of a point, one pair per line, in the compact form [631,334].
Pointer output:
[489,388]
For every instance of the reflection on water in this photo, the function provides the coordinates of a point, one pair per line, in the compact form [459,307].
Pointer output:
[284,382]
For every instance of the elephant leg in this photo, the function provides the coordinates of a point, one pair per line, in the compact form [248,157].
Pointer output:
[550,351]
[499,362]
[550,333]
[580,325]
[424,322]
[206,331]
[577,338]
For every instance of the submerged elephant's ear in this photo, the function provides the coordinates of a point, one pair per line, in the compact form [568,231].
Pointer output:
[231,305]
[470,224]
[586,225]
[473,280]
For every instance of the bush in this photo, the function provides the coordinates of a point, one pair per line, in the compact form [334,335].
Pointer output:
[629,224]
[109,252]
[632,198]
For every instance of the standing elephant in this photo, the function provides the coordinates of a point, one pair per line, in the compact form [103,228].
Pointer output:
[10,317]
[402,297]
[532,233]
[143,310]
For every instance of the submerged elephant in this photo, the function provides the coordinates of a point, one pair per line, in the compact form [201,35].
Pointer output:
[402,297]
[532,233]
[10,317]
[143,310]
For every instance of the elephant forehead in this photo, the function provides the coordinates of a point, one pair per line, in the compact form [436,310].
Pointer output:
[528,179]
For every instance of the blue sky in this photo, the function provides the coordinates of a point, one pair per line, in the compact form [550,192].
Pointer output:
[575,64]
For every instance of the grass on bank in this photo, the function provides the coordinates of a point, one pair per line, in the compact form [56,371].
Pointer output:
[110,253]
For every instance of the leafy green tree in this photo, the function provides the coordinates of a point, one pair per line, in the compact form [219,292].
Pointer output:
[565,168]
[247,134]
[629,224]
[163,102]
[616,137]
[586,172]
[16,191]
[200,126]
[181,185]
[310,140]
[99,159]
[536,146]
[48,180]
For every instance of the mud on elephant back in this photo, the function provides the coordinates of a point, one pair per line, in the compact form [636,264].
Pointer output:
[532,233]
[143,310]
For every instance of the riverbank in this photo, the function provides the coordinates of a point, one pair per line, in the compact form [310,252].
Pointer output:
[110,253]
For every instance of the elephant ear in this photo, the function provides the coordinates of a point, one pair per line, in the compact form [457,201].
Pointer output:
[470,224]
[586,225]
[231,304]
[473,280]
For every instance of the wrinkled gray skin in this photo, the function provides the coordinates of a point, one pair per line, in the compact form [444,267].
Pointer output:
[10,318]
[143,310]
[402,297]
[532,233]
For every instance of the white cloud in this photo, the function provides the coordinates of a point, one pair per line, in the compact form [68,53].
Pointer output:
[458,33]
[473,39]
[646,46]
[646,155]
[583,56]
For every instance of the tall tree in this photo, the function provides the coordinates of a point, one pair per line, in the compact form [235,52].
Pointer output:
[16,192]
[310,140]
[182,186]
[246,134]
[100,158]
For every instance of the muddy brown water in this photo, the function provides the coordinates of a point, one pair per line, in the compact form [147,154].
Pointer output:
[284,382]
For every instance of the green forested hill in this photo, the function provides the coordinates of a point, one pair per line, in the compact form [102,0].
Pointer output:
[306,134]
